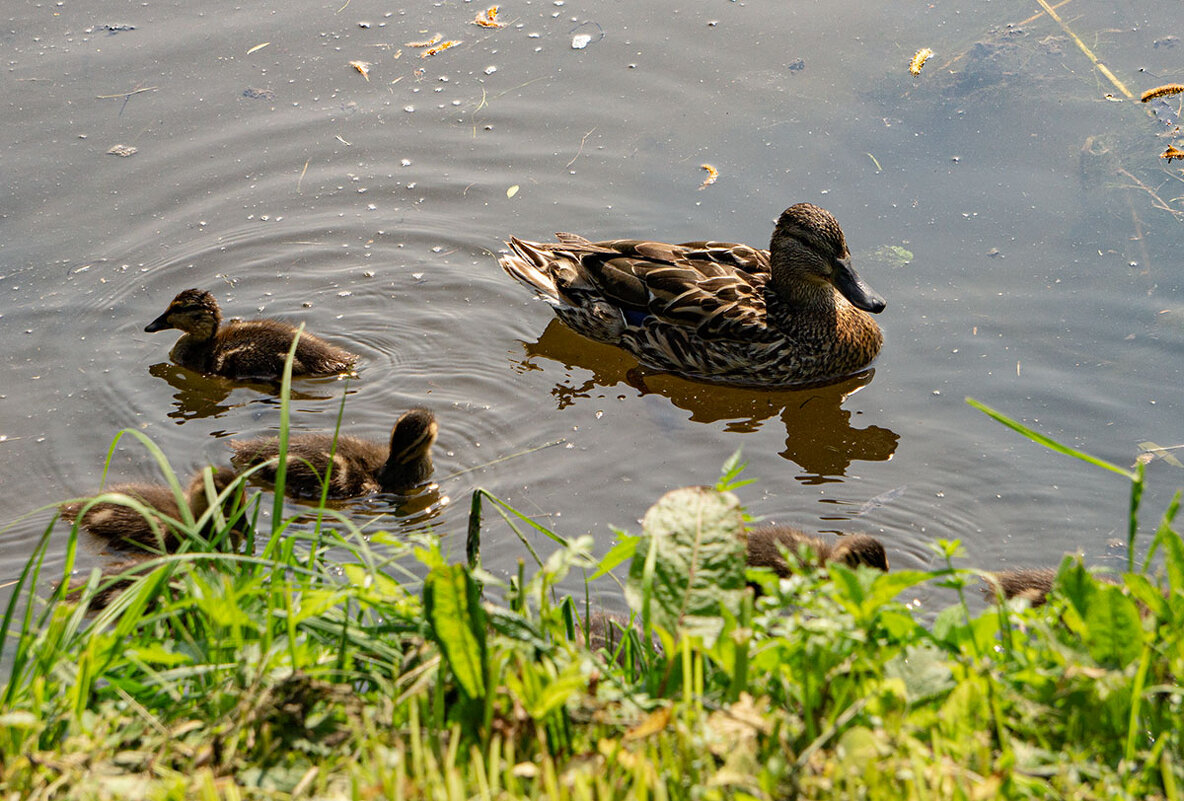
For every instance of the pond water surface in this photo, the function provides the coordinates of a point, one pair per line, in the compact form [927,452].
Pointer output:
[1044,278]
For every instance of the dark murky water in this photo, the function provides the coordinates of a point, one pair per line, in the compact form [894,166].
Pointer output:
[1042,281]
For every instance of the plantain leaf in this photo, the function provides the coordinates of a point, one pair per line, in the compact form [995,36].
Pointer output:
[452,603]
[698,561]
[1115,632]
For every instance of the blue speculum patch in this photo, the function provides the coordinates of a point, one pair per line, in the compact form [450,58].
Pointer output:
[634,317]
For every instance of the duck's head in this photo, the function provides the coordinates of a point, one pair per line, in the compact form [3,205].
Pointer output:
[859,549]
[194,311]
[413,436]
[809,256]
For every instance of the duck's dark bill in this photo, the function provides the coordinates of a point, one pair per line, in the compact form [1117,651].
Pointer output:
[159,324]
[855,290]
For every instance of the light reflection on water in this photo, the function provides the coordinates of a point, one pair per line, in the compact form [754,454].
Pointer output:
[1043,282]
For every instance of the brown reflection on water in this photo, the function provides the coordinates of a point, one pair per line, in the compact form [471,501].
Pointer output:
[404,511]
[819,434]
[199,395]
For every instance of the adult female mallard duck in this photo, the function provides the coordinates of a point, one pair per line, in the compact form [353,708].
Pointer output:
[765,544]
[358,466]
[123,525]
[244,349]
[716,311]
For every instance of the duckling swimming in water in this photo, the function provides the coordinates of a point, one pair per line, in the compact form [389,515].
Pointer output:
[359,467]
[123,525]
[245,349]
[1033,584]
[716,311]
[765,543]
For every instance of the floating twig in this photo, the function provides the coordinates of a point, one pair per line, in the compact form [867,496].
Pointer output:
[583,139]
[1102,68]
[300,180]
[126,95]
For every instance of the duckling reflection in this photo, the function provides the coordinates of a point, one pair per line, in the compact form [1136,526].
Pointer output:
[200,396]
[819,435]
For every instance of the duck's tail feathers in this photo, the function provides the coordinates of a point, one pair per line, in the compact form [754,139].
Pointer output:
[530,264]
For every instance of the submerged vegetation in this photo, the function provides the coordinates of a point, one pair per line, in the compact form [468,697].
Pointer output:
[329,663]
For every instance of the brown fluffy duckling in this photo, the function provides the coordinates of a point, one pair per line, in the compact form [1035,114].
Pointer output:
[245,349]
[359,466]
[123,525]
[765,543]
[1033,584]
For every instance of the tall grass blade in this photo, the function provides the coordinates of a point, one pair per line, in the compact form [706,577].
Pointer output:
[1048,442]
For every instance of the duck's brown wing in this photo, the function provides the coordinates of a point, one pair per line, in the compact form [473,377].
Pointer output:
[714,288]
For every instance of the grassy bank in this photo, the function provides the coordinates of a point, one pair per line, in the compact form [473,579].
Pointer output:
[276,671]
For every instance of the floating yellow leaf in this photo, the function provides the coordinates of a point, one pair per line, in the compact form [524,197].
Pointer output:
[513,190]
[427,42]
[258,47]
[712,174]
[488,18]
[440,49]
[362,67]
[919,59]
[1172,152]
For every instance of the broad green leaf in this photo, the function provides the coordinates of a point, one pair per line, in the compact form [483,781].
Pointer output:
[1115,633]
[699,561]
[889,585]
[1075,583]
[453,606]
[1173,548]
[625,548]
[923,669]
[377,582]
[1146,593]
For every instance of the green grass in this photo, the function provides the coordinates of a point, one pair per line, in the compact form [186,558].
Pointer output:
[388,672]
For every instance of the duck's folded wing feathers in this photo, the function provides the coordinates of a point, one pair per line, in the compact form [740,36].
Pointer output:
[716,300]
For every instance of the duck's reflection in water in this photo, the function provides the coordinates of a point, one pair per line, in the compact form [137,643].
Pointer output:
[199,395]
[389,511]
[819,434]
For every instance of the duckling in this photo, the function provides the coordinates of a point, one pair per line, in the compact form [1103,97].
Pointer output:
[359,466]
[765,542]
[113,580]
[1033,584]
[246,349]
[123,525]
[716,311]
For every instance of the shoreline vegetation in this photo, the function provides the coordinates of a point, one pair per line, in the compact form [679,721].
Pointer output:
[335,663]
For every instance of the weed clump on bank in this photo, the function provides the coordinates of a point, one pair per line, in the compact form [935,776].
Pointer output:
[324,662]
